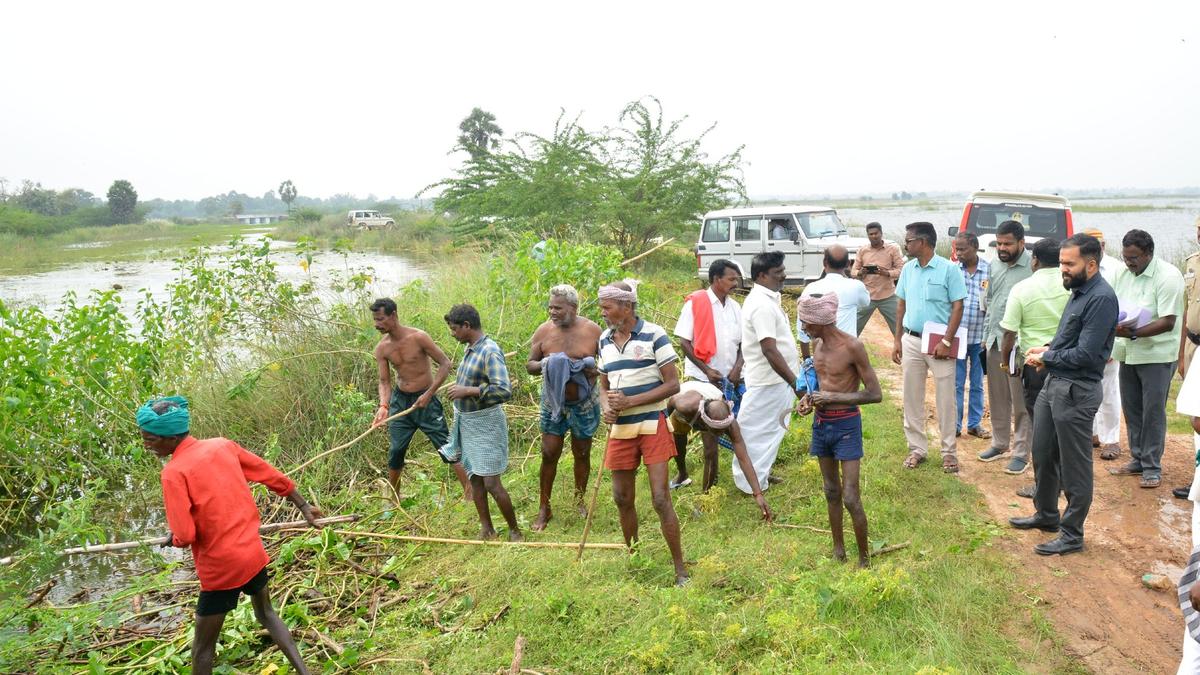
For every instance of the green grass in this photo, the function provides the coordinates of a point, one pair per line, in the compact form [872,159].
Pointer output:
[762,599]
[24,255]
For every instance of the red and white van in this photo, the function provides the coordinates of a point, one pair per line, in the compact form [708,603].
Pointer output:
[1042,216]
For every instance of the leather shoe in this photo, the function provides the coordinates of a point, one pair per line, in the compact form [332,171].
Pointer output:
[1058,546]
[1182,492]
[1033,523]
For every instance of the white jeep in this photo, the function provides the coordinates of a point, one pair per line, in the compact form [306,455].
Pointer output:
[368,220]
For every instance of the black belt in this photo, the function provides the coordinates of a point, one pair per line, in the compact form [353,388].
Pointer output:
[914,333]
[1194,337]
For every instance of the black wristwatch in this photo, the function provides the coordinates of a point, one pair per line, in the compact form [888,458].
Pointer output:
[1133,335]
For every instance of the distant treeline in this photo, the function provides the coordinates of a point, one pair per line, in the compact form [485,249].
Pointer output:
[233,203]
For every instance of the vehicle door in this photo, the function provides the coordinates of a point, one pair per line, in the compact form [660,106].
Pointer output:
[715,242]
[748,241]
[821,228]
[783,234]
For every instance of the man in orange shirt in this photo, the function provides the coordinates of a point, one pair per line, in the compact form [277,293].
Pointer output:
[210,508]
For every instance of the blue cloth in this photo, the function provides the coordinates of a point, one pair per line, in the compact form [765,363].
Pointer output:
[808,377]
[928,291]
[173,422]
[479,439]
[734,393]
[973,363]
[839,438]
[974,319]
[558,370]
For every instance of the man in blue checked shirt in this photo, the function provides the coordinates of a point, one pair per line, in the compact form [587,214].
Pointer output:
[975,276]
[480,432]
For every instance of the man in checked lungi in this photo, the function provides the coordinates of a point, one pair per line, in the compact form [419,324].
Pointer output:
[479,437]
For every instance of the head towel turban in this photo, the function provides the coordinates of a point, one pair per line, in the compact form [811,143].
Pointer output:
[820,311]
[176,420]
[619,294]
[710,422]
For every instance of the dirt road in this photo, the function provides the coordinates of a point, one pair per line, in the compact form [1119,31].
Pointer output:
[1095,599]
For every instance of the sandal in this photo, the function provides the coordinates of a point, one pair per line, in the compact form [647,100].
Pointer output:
[1110,451]
[950,464]
[913,460]
[1150,481]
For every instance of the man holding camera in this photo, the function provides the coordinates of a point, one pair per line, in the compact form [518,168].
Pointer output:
[878,266]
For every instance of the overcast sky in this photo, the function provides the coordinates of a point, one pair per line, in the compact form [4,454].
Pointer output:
[189,100]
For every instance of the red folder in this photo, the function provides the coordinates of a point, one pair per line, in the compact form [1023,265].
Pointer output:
[935,339]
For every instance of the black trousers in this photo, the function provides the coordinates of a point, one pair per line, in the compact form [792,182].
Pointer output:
[1062,451]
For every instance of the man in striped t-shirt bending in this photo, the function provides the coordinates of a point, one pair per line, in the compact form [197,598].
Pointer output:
[637,376]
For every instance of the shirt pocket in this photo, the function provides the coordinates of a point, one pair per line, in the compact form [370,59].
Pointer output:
[937,291]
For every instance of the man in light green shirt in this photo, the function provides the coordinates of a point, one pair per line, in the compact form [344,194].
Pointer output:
[1147,353]
[1031,315]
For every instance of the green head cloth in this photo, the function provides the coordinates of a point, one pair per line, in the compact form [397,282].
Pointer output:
[173,422]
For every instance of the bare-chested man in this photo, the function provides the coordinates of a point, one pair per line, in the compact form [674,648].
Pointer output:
[842,368]
[563,352]
[701,406]
[410,351]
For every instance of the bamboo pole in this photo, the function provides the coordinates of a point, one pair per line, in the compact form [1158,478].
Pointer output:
[646,253]
[473,542]
[587,524]
[356,439]
[159,541]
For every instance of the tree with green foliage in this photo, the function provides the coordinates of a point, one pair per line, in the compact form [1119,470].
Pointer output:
[307,216]
[623,186]
[122,202]
[539,184]
[660,182]
[236,207]
[287,193]
[480,133]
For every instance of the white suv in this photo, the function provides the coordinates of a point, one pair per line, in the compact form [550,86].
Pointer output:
[802,233]
[1041,215]
[368,220]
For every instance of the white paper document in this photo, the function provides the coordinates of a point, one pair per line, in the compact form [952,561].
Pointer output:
[930,329]
[1132,315]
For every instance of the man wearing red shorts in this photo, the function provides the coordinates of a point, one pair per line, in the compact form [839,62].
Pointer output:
[637,376]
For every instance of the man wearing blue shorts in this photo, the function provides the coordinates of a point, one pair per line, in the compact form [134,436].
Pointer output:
[563,351]
[845,380]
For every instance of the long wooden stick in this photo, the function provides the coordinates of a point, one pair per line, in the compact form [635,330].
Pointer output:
[356,439]
[646,253]
[159,541]
[473,542]
[587,523]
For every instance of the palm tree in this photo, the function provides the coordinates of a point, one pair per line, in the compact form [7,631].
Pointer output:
[480,134]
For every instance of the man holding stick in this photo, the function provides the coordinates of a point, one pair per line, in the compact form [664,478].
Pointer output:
[410,351]
[563,351]
[842,366]
[210,509]
[637,376]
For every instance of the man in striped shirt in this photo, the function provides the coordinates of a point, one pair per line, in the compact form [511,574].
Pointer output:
[637,376]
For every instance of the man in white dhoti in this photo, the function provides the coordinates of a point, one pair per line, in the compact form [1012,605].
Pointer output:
[1188,403]
[771,365]
[1106,430]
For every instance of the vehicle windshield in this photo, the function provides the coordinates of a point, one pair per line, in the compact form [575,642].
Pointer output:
[1039,221]
[820,224]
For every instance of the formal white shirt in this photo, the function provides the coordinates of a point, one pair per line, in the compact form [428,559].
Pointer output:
[852,295]
[727,322]
[763,317]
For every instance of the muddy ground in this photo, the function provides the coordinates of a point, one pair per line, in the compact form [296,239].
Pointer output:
[1095,599]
